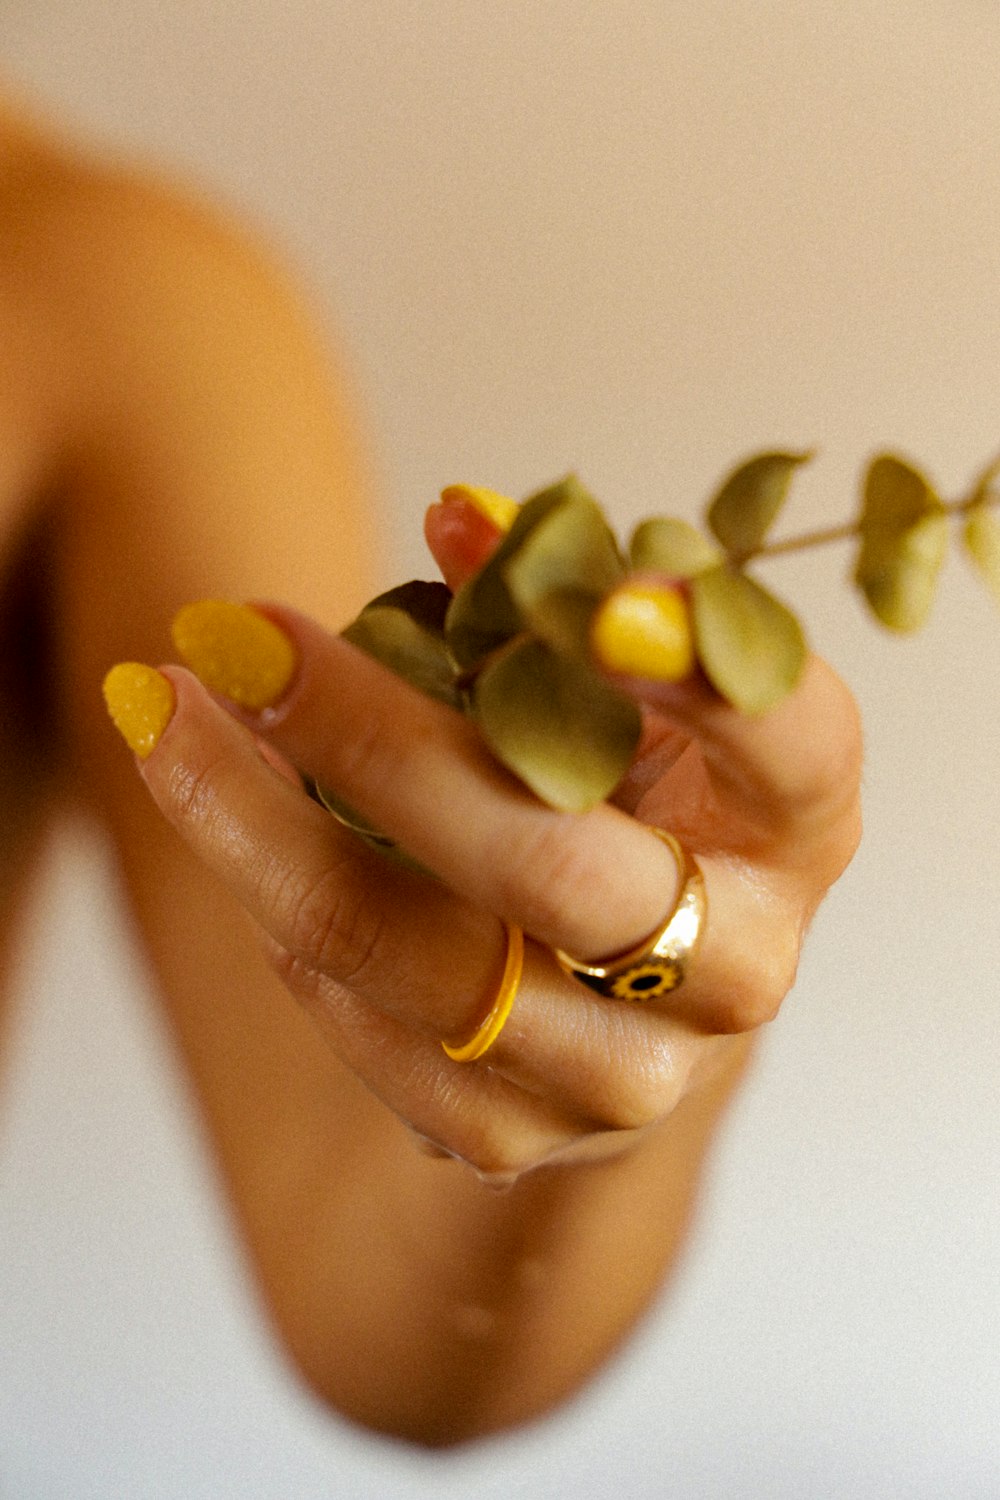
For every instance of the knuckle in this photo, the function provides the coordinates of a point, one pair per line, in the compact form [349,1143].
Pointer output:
[643,1085]
[298,976]
[752,996]
[499,1167]
[497,1146]
[756,965]
[742,1008]
[194,794]
[844,848]
[500,1159]
[833,787]
[852,740]
[326,922]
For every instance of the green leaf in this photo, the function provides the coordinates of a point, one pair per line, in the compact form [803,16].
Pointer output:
[746,506]
[664,544]
[904,537]
[562,619]
[425,602]
[563,569]
[986,483]
[750,645]
[556,724]
[346,815]
[483,614]
[559,543]
[571,549]
[404,630]
[982,543]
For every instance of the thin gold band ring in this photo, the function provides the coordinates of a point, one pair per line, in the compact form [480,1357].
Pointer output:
[491,1026]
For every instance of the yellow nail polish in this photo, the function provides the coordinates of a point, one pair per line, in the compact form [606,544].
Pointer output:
[499,509]
[235,651]
[644,630]
[140,701]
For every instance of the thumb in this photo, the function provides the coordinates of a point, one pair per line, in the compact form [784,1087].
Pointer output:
[464,529]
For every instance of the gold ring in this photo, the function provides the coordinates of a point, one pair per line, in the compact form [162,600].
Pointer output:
[490,1028]
[657,965]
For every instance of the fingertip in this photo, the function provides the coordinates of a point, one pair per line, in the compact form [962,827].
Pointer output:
[499,509]
[140,701]
[236,650]
[461,537]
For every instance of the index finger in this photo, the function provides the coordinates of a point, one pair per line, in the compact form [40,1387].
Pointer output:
[592,883]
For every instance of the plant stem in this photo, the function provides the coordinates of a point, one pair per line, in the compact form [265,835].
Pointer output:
[809,539]
[853,528]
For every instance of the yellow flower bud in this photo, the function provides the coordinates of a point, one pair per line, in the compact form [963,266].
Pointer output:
[644,630]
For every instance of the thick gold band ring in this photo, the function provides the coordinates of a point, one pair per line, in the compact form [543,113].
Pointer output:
[490,1028]
[657,965]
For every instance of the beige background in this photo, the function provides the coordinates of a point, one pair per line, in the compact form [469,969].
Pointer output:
[639,240]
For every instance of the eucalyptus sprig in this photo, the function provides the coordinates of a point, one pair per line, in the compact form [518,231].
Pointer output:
[513,647]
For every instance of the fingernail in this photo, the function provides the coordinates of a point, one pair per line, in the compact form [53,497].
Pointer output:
[140,701]
[644,630]
[235,651]
[499,509]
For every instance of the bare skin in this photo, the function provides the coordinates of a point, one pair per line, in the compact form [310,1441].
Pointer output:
[172,430]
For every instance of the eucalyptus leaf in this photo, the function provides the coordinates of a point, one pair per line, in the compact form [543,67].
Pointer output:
[563,568]
[404,630]
[556,724]
[896,496]
[901,582]
[986,484]
[982,543]
[746,506]
[904,538]
[665,544]
[483,614]
[345,814]
[571,549]
[425,602]
[563,618]
[349,818]
[751,647]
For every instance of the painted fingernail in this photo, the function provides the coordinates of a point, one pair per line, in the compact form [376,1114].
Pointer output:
[499,509]
[644,630]
[140,701]
[235,651]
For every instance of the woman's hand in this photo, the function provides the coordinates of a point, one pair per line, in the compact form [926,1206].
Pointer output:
[390,960]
